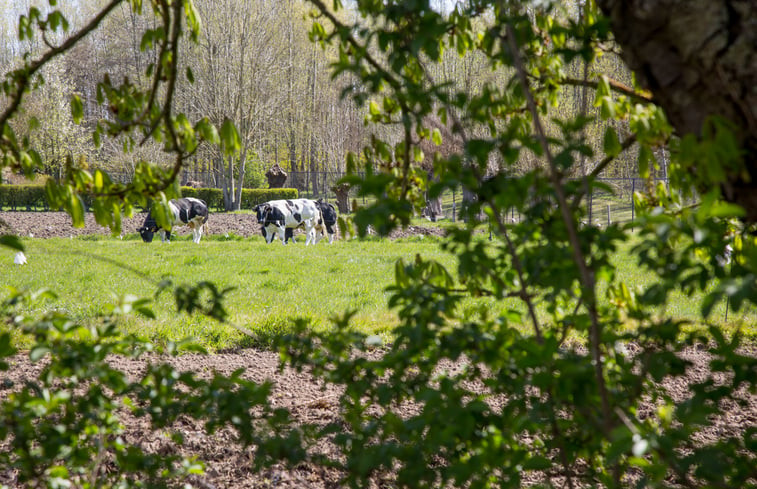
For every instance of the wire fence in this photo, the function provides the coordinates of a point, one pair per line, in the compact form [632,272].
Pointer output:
[602,207]
[614,203]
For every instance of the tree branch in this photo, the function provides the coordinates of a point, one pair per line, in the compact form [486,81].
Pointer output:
[587,275]
[25,74]
[614,84]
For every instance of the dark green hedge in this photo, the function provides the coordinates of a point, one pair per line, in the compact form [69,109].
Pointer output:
[32,197]
[250,196]
[23,197]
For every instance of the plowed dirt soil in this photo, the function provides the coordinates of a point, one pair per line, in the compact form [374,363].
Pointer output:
[58,224]
[228,465]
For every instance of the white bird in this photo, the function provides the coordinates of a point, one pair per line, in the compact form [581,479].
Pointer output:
[20,258]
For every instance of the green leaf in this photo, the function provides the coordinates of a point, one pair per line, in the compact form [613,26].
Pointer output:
[76,209]
[230,140]
[374,108]
[77,109]
[6,349]
[645,158]
[537,463]
[207,131]
[38,352]
[725,209]
[611,143]
[12,242]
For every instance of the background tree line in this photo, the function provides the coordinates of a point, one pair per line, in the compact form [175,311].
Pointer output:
[254,66]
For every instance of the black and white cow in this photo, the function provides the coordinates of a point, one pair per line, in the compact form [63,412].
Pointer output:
[324,225]
[276,216]
[327,221]
[190,211]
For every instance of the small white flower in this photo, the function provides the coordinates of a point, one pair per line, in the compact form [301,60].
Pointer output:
[725,258]
[20,258]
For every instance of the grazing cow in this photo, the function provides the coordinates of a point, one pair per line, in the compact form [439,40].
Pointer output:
[190,211]
[280,215]
[325,224]
[288,234]
[327,221]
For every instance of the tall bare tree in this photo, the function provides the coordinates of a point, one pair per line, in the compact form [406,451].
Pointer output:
[239,65]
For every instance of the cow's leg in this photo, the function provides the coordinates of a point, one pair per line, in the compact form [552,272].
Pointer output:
[309,232]
[282,234]
[164,236]
[196,231]
[332,232]
[317,237]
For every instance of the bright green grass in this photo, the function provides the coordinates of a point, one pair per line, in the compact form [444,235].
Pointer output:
[274,284]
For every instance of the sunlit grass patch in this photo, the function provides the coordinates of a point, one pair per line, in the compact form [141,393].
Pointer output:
[274,285]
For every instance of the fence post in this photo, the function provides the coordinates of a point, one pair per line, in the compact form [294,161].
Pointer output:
[608,215]
[633,203]
[454,207]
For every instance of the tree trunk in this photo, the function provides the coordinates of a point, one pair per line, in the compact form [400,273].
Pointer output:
[698,59]
[237,195]
[342,192]
[433,208]
[468,198]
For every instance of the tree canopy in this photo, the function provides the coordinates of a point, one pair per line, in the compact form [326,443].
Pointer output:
[565,371]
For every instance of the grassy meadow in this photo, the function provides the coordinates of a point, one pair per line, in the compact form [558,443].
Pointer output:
[273,284]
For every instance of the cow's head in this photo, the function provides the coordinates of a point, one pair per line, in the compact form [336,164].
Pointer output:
[261,211]
[148,229]
[146,234]
[328,212]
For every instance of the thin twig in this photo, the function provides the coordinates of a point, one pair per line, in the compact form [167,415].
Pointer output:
[587,275]
[23,81]
[614,85]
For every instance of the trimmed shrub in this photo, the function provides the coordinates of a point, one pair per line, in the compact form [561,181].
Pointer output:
[212,196]
[250,196]
[23,197]
[32,197]
[254,196]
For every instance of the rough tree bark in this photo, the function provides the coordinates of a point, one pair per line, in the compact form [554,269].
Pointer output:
[698,58]
[276,176]
[342,192]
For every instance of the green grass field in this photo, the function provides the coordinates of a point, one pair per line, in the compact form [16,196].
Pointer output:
[274,284]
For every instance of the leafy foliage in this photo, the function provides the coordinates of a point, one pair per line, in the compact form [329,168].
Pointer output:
[553,391]
[65,427]
[531,402]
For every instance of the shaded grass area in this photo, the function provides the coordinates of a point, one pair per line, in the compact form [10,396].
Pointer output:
[680,305]
[273,285]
